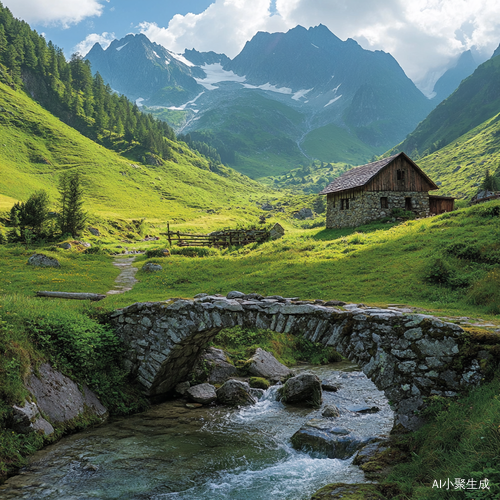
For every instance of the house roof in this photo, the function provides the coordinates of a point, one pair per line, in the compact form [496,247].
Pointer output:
[360,176]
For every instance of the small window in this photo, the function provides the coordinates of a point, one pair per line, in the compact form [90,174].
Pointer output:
[408,204]
[400,175]
[384,203]
[344,204]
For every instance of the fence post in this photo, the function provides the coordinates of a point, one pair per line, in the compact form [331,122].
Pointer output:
[168,234]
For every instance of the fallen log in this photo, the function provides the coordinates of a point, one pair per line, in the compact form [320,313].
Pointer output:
[69,295]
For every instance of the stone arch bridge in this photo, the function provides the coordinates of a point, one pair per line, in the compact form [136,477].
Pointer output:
[408,356]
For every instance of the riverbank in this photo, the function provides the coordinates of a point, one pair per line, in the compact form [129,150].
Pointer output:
[215,452]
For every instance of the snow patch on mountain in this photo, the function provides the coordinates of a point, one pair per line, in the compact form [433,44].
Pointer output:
[181,59]
[189,103]
[314,45]
[215,74]
[156,54]
[331,101]
[269,88]
[300,93]
[121,47]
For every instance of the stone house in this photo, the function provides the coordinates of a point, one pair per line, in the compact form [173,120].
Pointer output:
[371,191]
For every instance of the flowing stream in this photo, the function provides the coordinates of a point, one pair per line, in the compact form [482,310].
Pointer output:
[172,452]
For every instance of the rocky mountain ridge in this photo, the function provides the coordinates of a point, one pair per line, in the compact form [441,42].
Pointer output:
[317,79]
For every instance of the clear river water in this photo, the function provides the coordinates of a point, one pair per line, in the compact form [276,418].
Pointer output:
[172,452]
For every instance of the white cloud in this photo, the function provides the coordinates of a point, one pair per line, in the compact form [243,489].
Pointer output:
[85,45]
[224,26]
[423,35]
[46,12]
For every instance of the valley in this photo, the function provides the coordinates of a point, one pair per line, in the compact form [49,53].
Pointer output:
[197,143]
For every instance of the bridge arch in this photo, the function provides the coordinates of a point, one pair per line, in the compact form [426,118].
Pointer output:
[408,356]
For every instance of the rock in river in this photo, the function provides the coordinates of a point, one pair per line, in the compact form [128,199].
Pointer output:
[322,436]
[213,366]
[235,393]
[303,389]
[363,409]
[331,411]
[202,393]
[264,364]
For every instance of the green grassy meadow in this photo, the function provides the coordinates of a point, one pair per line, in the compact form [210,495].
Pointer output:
[376,264]
[460,166]
[36,147]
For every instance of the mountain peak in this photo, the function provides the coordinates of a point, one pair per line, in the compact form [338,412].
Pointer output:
[496,53]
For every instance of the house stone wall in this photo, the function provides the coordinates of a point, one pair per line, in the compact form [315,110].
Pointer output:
[365,207]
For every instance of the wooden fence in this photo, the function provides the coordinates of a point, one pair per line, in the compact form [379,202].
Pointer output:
[226,238]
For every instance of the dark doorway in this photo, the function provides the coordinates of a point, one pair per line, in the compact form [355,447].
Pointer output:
[408,204]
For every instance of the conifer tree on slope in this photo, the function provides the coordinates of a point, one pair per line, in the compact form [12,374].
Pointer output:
[72,217]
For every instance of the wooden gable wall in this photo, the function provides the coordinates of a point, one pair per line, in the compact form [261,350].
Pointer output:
[387,179]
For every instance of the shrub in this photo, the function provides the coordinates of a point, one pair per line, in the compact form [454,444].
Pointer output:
[97,251]
[486,292]
[491,209]
[155,252]
[400,213]
[465,250]
[441,272]
[194,251]
[437,272]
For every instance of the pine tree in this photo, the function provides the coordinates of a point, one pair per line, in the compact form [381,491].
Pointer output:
[30,215]
[30,58]
[3,41]
[490,183]
[72,217]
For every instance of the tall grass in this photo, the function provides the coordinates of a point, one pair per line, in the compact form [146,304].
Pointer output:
[462,440]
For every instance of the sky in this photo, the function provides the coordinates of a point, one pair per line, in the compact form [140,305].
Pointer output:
[425,36]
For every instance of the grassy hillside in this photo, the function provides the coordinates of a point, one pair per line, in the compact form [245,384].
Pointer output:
[459,167]
[476,100]
[260,130]
[36,147]
[333,143]
[310,178]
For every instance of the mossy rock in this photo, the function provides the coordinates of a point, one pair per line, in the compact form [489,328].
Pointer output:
[356,491]
[243,366]
[259,383]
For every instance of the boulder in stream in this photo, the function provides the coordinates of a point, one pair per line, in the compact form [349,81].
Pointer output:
[302,389]
[363,409]
[331,411]
[202,393]
[323,437]
[214,366]
[235,393]
[181,388]
[264,364]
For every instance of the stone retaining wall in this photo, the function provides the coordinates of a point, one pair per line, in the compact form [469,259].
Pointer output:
[409,356]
